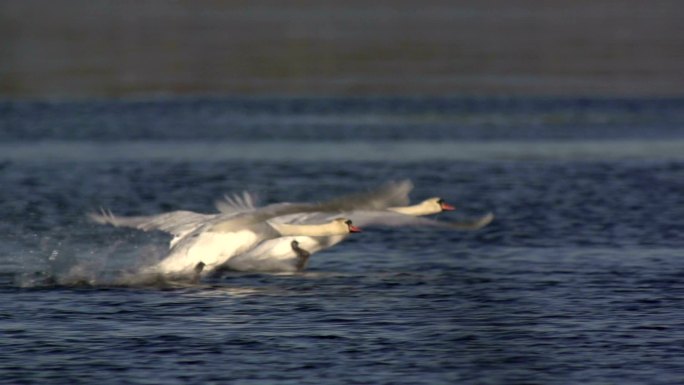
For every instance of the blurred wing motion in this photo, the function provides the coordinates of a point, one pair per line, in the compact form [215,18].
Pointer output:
[387,195]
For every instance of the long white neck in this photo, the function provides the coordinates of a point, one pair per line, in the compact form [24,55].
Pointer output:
[423,208]
[322,230]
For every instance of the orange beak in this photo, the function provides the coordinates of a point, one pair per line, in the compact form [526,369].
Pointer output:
[448,207]
[354,229]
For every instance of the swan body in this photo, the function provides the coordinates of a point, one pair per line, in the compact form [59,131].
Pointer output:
[278,255]
[209,248]
[215,244]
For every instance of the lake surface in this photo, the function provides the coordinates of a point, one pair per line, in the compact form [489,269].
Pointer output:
[580,278]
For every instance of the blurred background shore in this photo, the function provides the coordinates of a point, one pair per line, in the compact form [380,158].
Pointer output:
[114,48]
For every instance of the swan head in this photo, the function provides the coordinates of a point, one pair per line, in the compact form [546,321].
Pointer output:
[437,205]
[346,225]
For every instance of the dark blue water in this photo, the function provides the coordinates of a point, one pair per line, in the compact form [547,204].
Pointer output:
[580,279]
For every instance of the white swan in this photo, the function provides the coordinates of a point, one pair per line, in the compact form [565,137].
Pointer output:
[291,253]
[384,206]
[228,233]
[211,245]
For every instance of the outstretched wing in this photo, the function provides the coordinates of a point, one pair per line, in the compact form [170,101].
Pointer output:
[177,223]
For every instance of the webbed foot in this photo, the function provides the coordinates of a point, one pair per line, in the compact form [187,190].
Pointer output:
[302,255]
[198,271]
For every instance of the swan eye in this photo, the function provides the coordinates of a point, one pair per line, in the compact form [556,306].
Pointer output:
[440,201]
[348,222]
